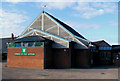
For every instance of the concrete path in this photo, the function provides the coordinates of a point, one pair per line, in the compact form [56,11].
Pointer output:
[93,73]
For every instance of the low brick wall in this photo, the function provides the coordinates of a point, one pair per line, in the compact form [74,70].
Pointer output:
[36,61]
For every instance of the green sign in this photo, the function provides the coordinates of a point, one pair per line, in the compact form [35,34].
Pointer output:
[24,52]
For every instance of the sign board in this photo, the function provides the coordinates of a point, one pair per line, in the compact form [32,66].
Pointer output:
[24,52]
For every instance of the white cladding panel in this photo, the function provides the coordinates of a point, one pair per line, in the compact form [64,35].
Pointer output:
[58,42]
[51,26]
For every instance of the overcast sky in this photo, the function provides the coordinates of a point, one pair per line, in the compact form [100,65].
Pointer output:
[94,20]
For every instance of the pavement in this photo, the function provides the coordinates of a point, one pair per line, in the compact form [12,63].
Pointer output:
[107,72]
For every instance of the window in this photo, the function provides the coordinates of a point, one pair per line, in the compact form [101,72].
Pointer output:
[104,48]
[18,44]
[108,48]
[30,44]
[11,44]
[25,44]
[39,44]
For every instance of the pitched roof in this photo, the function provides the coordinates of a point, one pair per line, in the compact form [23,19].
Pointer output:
[116,47]
[55,27]
[30,38]
[66,26]
[101,43]
[44,33]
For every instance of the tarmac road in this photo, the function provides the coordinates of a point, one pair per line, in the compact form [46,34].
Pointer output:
[93,73]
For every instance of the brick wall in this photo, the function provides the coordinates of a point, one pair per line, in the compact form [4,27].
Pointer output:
[61,58]
[48,62]
[80,58]
[36,61]
[48,58]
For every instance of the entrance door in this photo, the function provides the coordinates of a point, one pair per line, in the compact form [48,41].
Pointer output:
[105,58]
[108,58]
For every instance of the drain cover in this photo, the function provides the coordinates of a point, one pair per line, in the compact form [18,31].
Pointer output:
[102,73]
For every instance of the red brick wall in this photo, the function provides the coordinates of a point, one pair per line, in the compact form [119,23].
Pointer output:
[36,61]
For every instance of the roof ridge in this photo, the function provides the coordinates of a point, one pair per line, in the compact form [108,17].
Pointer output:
[99,41]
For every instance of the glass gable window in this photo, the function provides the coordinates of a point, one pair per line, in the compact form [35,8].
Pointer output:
[30,44]
[18,44]
[39,44]
[11,44]
[25,44]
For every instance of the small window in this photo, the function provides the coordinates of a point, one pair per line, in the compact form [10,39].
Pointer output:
[18,44]
[39,44]
[30,44]
[11,44]
[25,44]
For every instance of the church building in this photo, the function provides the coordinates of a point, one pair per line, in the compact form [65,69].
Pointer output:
[49,43]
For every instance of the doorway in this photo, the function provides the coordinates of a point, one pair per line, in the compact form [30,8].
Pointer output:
[105,58]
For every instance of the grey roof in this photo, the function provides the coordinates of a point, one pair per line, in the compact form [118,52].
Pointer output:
[66,26]
[101,43]
[116,47]
[31,38]
[3,44]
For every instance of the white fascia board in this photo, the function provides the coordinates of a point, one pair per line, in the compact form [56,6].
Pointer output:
[81,43]
[20,36]
[83,39]
[45,33]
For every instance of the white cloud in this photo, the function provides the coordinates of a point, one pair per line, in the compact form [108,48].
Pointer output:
[108,7]
[55,5]
[11,22]
[85,9]
[60,0]
[78,25]
[16,1]
[89,10]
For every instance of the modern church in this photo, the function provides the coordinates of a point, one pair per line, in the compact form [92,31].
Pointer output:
[50,43]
